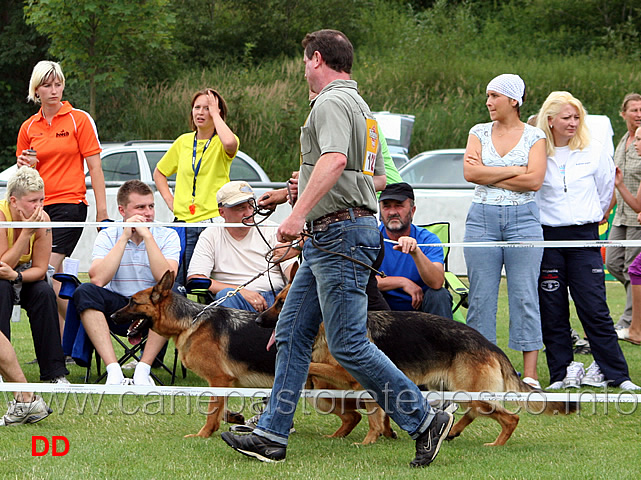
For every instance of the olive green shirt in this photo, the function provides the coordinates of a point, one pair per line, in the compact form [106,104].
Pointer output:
[337,123]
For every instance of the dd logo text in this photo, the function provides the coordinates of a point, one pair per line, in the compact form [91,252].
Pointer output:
[57,450]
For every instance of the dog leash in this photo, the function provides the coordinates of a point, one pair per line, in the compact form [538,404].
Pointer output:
[231,293]
[347,257]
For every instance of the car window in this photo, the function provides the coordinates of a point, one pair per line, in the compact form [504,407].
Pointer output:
[241,170]
[443,168]
[153,157]
[120,167]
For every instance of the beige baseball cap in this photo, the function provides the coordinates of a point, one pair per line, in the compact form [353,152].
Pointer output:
[234,193]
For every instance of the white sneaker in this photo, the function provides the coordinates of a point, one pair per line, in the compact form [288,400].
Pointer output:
[628,385]
[144,380]
[593,377]
[556,385]
[574,373]
[131,365]
[61,380]
[20,413]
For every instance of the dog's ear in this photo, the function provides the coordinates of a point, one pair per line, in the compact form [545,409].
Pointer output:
[167,280]
[293,271]
[162,287]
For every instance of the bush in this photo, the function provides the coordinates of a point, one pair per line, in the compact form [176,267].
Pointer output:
[433,64]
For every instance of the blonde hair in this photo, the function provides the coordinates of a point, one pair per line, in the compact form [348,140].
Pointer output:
[25,180]
[41,72]
[551,108]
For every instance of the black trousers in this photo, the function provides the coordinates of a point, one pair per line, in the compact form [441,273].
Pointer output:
[581,271]
[39,300]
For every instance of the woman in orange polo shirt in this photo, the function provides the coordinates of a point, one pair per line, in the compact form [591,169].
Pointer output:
[57,141]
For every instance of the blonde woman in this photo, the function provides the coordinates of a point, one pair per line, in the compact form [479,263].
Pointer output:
[57,141]
[506,159]
[24,258]
[576,192]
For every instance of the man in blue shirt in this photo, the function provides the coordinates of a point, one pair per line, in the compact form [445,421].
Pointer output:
[415,275]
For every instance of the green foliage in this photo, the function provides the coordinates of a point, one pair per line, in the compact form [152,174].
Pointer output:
[430,58]
[20,49]
[221,31]
[100,41]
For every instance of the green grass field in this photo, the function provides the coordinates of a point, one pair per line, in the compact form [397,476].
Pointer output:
[142,437]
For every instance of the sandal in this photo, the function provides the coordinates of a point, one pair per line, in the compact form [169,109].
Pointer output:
[624,334]
[532,383]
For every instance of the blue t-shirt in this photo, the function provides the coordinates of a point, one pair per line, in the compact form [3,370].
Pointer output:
[399,264]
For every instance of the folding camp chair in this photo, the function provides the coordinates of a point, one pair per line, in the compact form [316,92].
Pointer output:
[77,343]
[452,282]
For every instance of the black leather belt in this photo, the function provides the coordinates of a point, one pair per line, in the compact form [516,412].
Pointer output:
[321,223]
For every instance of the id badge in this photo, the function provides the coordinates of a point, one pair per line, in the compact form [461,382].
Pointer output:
[369,162]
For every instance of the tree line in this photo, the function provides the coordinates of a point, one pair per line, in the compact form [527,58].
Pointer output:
[416,55]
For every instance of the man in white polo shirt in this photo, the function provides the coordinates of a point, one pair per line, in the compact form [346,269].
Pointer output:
[125,261]
[231,256]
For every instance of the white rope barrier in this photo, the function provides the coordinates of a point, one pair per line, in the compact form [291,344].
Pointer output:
[520,244]
[124,224]
[460,396]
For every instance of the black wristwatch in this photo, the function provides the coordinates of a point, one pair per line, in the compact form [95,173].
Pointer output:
[17,280]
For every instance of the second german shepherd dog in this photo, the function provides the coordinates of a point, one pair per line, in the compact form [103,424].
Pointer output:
[227,348]
[434,352]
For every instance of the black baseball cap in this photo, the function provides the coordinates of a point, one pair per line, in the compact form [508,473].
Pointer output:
[397,191]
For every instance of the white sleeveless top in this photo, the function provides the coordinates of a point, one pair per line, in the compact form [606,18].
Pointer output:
[490,194]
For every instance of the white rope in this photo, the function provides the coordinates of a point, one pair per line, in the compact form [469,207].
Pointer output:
[521,244]
[536,243]
[460,396]
[123,224]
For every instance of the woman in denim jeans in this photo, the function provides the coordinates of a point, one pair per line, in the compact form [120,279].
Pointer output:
[506,159]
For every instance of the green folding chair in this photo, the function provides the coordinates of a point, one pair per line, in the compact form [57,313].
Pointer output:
[457,288]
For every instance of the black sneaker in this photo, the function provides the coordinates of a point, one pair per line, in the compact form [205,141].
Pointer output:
[429,442]
[255,446]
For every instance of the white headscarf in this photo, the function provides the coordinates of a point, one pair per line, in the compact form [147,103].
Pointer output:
[508,84]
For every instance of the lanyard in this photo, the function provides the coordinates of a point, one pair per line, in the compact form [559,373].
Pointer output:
[194,167]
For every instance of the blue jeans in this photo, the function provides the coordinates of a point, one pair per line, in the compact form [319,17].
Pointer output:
[191,236]
[522,268]
[437,302]
[239,302]
[331,289]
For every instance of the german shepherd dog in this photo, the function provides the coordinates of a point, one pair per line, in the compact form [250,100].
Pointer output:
[434,352]
[225,346]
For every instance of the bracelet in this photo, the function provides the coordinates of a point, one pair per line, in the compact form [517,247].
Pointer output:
[17,280]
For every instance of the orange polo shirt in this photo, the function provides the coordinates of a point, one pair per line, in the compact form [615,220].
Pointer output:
[61,148]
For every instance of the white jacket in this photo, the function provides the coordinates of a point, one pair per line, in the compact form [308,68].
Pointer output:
[584,194]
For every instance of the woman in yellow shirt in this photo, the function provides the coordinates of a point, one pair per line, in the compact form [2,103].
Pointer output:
[201,160]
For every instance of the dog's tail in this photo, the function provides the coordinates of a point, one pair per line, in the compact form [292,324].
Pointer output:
[536,403]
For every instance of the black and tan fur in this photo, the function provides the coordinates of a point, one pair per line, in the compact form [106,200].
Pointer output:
[435,352]
[224,346]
